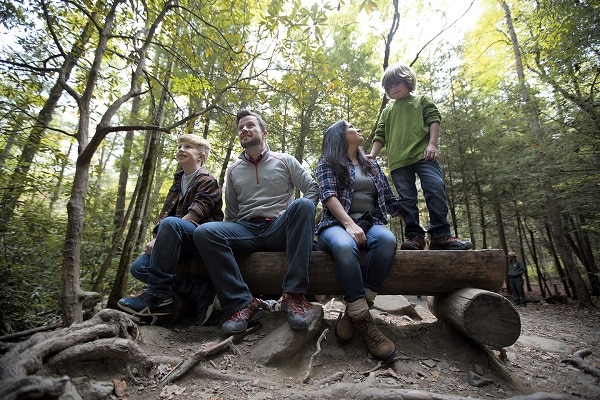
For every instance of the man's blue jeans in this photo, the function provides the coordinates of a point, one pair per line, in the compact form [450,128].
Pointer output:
[434,191]
[174,240]
[350,274]
[219,242]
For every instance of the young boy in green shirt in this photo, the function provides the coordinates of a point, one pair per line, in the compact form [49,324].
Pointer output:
[409,127]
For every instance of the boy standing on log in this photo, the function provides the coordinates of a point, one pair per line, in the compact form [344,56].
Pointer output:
[410,126]
[194,198]
[261,215]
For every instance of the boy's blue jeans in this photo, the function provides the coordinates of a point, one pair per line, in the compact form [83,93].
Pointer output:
[174,239]
[350,274]
[219,242]
[434,191]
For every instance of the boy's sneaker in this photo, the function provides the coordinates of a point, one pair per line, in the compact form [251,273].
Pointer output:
[238,322]
[449,243]
[146,305]
[413,243]
[299,311]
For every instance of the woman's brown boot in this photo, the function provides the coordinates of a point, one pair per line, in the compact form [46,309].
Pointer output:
[378,344]
[344,328]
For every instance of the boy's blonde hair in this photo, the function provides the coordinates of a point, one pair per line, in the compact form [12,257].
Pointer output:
[398,73]
[198,141]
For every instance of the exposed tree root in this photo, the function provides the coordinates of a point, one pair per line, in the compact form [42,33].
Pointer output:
[577,360]
[309,369]
[108,334]
[205,351]
[361,391]
[29,332]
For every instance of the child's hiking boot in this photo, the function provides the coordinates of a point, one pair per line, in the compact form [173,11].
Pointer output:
[379,345]
[449,243]
[413,243]
[238,322]
[146,305]
[300,312]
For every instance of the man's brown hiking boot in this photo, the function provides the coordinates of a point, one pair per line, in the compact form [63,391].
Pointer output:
[378,344]
[344,328]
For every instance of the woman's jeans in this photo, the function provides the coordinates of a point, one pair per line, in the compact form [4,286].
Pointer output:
[174,240]
[351,275]
[434,191]
[219,242]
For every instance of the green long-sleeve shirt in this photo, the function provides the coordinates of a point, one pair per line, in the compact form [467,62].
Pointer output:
[403,128]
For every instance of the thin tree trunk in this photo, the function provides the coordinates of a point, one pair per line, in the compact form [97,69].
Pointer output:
[150,160]
[386,62]
[481,207]
[119,218]
[538,270]
[521,236]
[561,272]
[499,219]
[118,235]
[60,179]
[146,179]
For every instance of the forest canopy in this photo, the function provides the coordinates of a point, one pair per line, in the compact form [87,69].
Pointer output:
[94,95]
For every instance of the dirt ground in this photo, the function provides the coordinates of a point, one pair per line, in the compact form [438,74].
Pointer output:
[432,358]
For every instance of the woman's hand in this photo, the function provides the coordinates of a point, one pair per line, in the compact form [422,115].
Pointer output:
[357,234]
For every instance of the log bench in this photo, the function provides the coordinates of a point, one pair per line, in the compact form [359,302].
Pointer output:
[462,285]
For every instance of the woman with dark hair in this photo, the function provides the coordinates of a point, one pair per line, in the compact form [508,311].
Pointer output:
[356,198]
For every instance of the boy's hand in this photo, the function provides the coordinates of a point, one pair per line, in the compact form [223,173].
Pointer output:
[150,246]
[431,153]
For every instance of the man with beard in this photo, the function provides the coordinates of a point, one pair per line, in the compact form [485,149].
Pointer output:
[261,214]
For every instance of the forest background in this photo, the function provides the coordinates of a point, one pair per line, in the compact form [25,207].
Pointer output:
[94,94]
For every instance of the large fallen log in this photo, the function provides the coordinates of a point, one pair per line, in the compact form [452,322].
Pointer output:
[428,272]
[486,317]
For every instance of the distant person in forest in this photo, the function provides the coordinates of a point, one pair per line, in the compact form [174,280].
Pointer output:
[409,128]
[515,272]
[356,198]
[194,198]
[261,214]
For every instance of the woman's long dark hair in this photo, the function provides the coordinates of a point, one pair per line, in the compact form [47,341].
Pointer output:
[334,151]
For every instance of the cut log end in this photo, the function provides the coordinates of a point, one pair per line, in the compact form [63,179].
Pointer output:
[486,317]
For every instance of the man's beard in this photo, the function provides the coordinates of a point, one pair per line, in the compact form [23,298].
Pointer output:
[253,142]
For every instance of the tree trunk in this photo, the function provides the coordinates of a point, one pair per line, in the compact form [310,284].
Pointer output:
[72,296]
